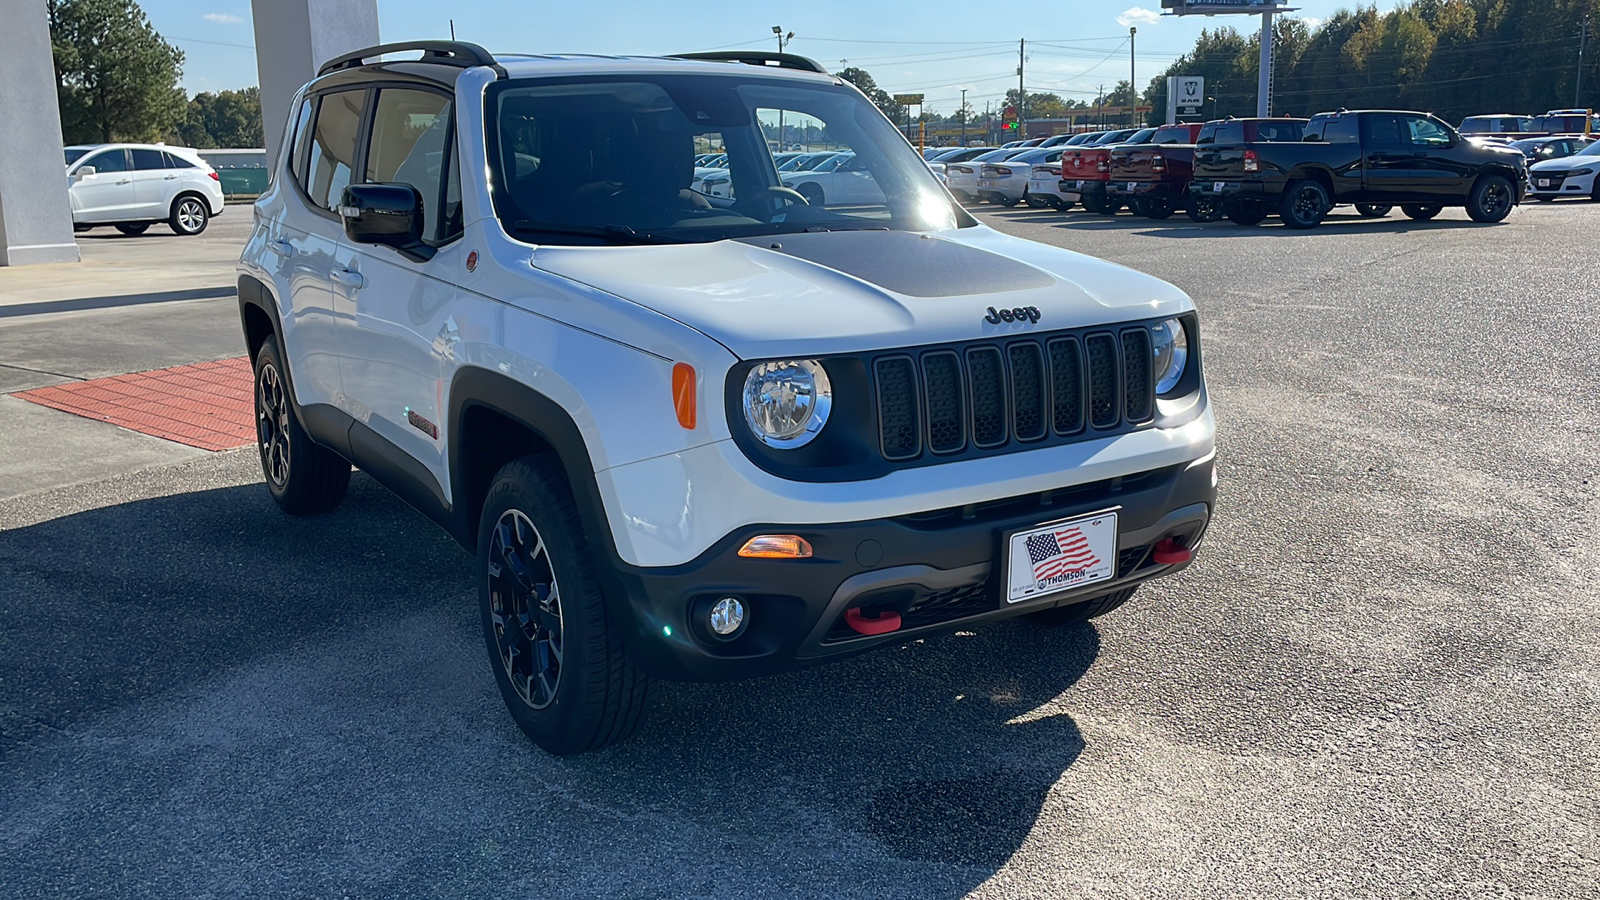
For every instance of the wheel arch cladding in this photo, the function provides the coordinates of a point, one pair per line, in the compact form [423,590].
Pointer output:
[256,315]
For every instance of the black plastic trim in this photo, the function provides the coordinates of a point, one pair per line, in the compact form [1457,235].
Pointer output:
[460,54]
[757,58]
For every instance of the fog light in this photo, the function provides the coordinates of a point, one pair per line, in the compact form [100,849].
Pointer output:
[776,546]
[727,616]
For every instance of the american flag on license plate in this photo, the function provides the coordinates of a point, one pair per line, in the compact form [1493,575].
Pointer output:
[1060,553]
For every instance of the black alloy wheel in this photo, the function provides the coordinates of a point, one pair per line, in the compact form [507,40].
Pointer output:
[1373,210]
[272,424]
[1304,204]
[525,609]
[1490,200]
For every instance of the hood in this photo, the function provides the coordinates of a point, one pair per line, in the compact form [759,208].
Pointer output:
[1562,164]
[853,291]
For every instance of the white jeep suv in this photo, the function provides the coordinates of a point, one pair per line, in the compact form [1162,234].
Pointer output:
[692,437]
[132,186]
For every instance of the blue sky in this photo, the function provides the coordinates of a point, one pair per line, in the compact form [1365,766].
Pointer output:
[935,47]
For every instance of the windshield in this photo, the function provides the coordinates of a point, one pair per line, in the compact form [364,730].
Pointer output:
[612,159]
[1591,150]
[76,153]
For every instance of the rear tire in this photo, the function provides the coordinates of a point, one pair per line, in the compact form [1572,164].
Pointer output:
[1005,201]
[1109,207]
[1490,199]
[1203,209]
[812,192]
[190,215]
[558,659]
[1373,210]
[1157,208]
[302,476]
[1245,212]
[1083,612]
[134,229]
[1420,212]
[1304,204]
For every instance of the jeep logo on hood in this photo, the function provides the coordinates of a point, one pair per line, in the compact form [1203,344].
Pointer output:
[1020,314]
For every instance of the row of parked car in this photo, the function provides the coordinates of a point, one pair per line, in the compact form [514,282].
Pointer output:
[1299,169]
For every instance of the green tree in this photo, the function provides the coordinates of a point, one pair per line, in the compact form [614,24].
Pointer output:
[116,78]
[224,119]
[879,97]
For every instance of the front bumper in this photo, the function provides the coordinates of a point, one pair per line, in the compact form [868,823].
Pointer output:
[938,570]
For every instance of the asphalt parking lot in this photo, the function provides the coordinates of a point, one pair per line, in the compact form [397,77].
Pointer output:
[1380,678]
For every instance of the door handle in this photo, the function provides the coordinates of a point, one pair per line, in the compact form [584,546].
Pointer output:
[126,181]
[281,247]
[349,279]
[169,178]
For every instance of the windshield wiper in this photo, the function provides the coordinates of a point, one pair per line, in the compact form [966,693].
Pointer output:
[616,234]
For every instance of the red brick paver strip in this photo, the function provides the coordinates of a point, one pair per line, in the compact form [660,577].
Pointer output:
[207,405]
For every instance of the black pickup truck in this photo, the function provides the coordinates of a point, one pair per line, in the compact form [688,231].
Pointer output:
[1371,158]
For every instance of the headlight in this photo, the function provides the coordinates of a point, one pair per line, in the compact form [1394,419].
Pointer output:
[1584,172]
[1171,345]
[786,403]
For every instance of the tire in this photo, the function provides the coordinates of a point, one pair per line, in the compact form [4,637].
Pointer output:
[1203,209]
[1005,201]
[302,476]
[1035,202]
[1158,208]
[1490,199]
[961,196]
[1304,204]
[1109,207]
[1542,198]
[134,229]
[1373,210]
[1137,207]
[1082,612]
[1420,212]
[1065,205]
[80,229]
[190,215]
[1594,192]
[558,659]
[1245,212]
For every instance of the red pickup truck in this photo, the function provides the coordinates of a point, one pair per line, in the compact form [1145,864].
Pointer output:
[1153,178]
[1086,169]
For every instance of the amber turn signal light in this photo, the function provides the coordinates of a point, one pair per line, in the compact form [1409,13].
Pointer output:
[683,394]
[776,546]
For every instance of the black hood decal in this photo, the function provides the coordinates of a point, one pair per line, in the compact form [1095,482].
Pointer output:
[906,263]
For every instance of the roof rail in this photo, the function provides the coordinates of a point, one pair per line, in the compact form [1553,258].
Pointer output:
[757,58]
[452,53]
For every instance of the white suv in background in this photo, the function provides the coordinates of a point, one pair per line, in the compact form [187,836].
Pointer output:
[692,437]
[132,186]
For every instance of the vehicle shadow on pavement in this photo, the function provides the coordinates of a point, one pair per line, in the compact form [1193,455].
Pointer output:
[1179,225]
[315,690]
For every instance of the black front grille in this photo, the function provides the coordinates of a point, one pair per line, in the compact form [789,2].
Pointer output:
[994,395]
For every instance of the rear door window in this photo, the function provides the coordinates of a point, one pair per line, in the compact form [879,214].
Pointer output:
[144,160]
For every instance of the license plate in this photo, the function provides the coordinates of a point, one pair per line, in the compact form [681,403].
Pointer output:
[982,183]
[1545,182]
[1061,556]
[1078,185]
[1133,185]
[1217,186]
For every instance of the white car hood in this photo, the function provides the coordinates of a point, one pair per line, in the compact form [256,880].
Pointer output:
[1564,163]
[841,292]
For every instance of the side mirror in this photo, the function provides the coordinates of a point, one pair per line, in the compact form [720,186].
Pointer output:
[385,214]
[83,172]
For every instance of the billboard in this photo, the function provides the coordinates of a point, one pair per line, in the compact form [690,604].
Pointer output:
[1213,7]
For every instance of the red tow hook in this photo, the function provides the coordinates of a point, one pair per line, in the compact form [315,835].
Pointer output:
[1169,552]
[883,623]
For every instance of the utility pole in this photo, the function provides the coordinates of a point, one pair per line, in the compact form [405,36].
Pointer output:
[1264,85]
[1133,90]
[1022,92]
[1100,105]
[964,117]
[1583,38]
[782,40]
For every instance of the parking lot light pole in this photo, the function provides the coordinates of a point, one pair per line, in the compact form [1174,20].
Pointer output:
[963,118]
[783,39]
[1577,91]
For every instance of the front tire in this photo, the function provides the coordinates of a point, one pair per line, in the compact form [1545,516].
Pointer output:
[190,215]
[1420,212]
[1490,199]
[134,229]
[1373,210]
[1203,209]
[1083,612]
[558,659]
[302,476]
[1304,204]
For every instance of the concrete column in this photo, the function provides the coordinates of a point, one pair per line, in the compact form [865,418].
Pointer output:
[293,38]
[1264,87]
[35,215]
